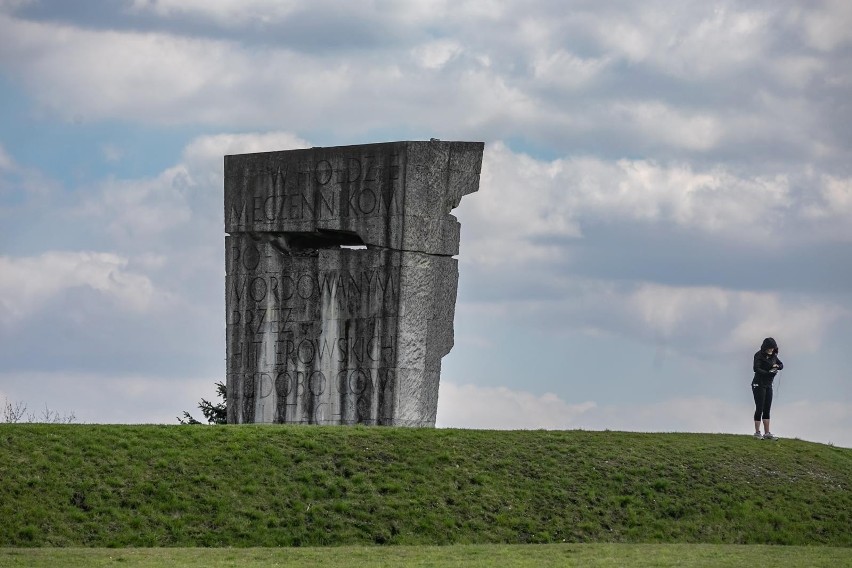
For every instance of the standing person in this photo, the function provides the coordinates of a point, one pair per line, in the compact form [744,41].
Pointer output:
[766,365]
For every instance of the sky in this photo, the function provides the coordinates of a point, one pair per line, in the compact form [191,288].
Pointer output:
[664,185]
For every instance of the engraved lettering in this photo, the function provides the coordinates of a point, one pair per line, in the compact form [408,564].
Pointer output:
[306,286]
[258,289]
[370,169]
[367,201]
[323,172]
[353,169]
[321,329]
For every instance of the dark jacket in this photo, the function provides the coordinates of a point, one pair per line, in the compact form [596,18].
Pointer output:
[765,366]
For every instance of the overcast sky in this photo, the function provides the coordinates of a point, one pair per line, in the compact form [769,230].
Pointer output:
[664,185]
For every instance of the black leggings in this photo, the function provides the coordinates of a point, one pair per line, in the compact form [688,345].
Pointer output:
[762,401]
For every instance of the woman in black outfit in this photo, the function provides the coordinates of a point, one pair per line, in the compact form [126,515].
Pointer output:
[766,365]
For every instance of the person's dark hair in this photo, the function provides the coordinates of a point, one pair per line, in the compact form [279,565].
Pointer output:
[769,343]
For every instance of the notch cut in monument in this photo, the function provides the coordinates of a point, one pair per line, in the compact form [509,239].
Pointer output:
[287,242]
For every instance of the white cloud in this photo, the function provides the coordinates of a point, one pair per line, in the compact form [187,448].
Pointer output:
[436,54]
[524,198]
[528,198]
[112,153]
[226,12]
[28,283]
[827,26]
[798,70]
[837,194]
[204,155]
[469,406]
[835,199]
[678,128]
[687,41]
[566,70]
[205,148]
[528,72]
[829,210]
[729,319]
[146,212]
[136,210]
[691,320]
[260,13]
[26,185]
[828,422]
[6,162]
[164,77]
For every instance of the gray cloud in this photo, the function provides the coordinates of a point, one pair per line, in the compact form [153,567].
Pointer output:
[703,82]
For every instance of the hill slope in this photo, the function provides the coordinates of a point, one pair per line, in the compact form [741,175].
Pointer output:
[83,485]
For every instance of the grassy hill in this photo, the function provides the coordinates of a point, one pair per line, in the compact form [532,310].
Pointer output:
[81,485]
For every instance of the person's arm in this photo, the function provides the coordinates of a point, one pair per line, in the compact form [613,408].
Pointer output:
[779,363]
[762,367]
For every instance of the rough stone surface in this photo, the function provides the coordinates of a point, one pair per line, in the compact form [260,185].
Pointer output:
[321,334]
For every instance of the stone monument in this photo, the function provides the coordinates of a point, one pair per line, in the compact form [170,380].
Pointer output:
[341,282]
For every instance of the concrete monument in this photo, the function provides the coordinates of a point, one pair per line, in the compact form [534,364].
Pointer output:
[341,281]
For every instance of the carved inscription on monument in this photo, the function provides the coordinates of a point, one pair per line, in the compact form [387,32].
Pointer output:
[321,334]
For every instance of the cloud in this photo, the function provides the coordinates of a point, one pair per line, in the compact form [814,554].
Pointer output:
[110,398]
[830,210]
[112,153]
[671,126]
[154,302]
[708,42]
[9,6]
[697,321]
[529,198]
[174,79]
[137,210]
[204,155]
[626,81]
[223,12]
[523,199]
[827,26]
[402,18]
[532,210]
[604,247]
[436,54]
[6,162]
[568,71]
[531,213]
[469,406]
[136,73]
[724,320]
[148,214]
[27,284]
[22,186]
[837,198]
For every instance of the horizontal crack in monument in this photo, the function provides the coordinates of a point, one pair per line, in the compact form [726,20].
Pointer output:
[318,333]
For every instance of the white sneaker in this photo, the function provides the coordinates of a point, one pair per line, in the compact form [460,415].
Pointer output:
[770,436]
[758,435]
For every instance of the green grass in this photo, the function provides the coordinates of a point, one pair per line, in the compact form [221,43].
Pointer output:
[485,556]
[272,486]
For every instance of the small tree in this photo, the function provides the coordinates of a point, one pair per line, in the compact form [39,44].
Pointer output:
[14,412]
[214,413]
